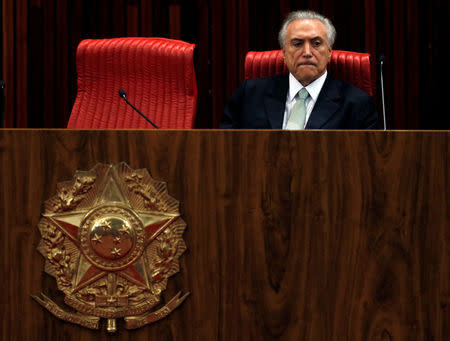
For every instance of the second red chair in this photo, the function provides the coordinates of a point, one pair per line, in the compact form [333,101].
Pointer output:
[157,74]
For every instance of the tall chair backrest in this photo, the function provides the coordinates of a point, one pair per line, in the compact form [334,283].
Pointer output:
[352,67]
[157,74]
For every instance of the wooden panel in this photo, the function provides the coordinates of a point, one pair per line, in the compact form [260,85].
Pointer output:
[37,64]
[62,67]
[175,21]
[75,36]
[347,239]
[398,60]
[242,37]
[160,18]
[231,43]
[433,59]
[218,63]
[200,13]
[21,62]
[146,14]
[94,15]
[370,17]
[118,18]
[48,86]
[412,60]
[9,61]
[132,19]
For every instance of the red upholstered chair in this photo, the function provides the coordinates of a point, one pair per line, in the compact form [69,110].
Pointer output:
[352,67]
[157,74]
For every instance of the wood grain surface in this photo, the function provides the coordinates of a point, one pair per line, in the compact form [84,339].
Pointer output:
[290,235]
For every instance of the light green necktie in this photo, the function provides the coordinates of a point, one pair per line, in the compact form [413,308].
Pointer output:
[298,112]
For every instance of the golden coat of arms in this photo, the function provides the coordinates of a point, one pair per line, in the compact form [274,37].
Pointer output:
[111,237]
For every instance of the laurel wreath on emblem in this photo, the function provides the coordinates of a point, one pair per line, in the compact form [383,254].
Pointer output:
[111,237]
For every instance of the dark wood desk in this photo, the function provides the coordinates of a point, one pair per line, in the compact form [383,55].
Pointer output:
[290,235]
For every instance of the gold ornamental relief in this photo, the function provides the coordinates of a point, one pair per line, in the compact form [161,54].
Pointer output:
[111,237]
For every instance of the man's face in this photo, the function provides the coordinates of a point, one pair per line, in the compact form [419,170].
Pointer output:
[307,52]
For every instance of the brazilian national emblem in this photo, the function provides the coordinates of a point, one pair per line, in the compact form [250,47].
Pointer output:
[111,237]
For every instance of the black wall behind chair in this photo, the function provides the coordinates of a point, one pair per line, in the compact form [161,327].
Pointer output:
[39,40]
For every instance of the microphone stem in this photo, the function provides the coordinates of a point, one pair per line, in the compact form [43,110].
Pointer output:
[382,95]
[131,105]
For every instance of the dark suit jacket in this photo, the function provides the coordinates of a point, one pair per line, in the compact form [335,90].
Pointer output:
[260,104]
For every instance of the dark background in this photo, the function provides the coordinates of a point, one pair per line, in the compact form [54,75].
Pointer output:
[39,40]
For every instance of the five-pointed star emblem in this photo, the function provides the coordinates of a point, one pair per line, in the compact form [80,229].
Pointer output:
[116,252]
[69,223]
[97,238]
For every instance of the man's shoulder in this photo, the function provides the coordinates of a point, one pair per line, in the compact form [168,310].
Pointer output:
[346,89]
[265,81]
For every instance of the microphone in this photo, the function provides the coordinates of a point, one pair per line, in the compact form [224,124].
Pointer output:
[2,102]
[382,60]
[123,95]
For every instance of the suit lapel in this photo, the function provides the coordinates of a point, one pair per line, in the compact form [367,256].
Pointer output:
[327,104]
[275,101]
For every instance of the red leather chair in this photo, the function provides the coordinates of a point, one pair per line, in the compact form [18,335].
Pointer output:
[352,67]
[157,74]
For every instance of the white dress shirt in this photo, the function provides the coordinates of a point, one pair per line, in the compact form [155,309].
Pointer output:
[294,87]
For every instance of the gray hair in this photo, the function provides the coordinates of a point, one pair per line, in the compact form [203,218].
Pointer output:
[299,15]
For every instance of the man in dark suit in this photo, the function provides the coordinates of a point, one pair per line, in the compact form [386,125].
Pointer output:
[308,97]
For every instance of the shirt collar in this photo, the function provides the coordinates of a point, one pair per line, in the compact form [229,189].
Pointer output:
[313,88]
